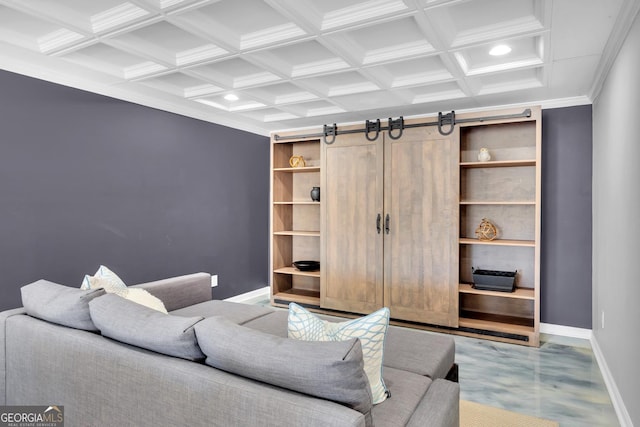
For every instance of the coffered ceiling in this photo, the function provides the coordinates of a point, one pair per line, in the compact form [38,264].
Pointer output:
[304,63]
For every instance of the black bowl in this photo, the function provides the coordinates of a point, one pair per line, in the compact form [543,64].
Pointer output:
[307,265]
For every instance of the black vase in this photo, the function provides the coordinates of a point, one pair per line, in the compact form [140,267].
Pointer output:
[315,194]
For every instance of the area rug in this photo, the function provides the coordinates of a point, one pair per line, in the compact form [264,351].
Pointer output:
[476,415]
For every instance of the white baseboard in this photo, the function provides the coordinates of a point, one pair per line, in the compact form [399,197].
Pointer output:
[565,331]
[618,404]
[250,295]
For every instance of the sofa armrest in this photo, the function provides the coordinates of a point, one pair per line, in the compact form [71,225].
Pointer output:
[181,291]
[439,407]
[3,351]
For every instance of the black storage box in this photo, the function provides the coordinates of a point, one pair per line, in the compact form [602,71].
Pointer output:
[493,280]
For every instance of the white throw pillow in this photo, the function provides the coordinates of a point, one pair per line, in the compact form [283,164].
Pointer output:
[371,330]
[141,296]
[111,283]
[104,278]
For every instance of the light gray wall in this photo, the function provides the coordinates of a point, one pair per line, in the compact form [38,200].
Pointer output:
[616,221]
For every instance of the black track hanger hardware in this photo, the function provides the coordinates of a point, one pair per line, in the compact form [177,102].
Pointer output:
[445,123]
[372,127]
[395,124]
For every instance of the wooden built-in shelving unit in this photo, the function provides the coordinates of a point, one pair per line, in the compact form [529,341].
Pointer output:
[295,222]
[505,190]
[360,177]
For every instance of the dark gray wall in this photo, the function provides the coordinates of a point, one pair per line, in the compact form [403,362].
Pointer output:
[88,180]
[566,217]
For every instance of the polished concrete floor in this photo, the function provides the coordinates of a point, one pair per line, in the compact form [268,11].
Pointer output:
[559,381]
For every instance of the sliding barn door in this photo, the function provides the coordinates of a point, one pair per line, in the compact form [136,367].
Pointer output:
[421,247]
[352,190]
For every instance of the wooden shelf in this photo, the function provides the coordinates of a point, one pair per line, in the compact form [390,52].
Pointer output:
[498,163]
[519,293]
[297,203]
[294,271]
[300,296]
[298,170]
[488,325]
[494,202]
[498,242]
[297,233]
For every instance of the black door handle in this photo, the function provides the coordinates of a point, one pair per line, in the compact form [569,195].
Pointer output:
[378,220]
[386,224]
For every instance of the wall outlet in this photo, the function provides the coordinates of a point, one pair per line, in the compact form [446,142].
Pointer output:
[602,322]
[214,280]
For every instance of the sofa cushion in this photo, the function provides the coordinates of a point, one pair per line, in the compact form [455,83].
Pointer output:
[328,370]
[274,323]
[135,324]
[408,390]
[370,329]
[233,311]
[59,304]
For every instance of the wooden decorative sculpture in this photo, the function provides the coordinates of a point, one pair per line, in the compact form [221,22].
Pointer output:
[486,230]
[297,162]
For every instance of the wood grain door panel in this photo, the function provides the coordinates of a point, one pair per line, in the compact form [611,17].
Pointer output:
[351,263]
[421,249]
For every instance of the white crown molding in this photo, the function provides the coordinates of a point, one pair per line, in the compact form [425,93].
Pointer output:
[565,102]
[438,96]
[270,35]
[142,69]
[415,48]
[332,109]
[544,104]
[616,398]
[199,54]
[317,67]
[295,98]
[164,4]
[254,79]
[58,39]
[422,78]
[361,12]
[627,15]
[353,88]
[201,90]
[116,16]
[278,117]
[52,70]
[510,86]
[522,26]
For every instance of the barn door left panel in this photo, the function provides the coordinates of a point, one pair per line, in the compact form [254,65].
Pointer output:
[352,223]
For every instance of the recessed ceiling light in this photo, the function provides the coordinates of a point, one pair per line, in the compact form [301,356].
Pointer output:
[231,97]
[501,49]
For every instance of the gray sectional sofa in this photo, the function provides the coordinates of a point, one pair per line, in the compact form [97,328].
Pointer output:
[102,381]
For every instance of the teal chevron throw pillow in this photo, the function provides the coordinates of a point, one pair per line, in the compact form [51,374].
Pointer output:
[370,330]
